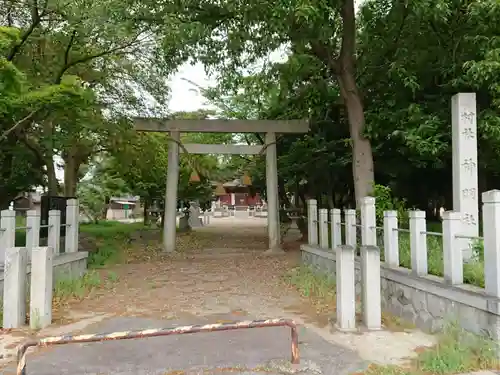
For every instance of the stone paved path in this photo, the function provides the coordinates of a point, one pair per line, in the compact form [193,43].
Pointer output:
[230,280]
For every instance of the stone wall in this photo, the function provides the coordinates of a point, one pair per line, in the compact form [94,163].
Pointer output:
[66,266]
[427,302]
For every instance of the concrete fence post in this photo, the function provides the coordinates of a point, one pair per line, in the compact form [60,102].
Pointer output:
[350,228]
[418,242]
[312,221]
[14,287]
[54,231]
[491,233]
[7,232]
[32,231]
[41,287]
[345,288]
[391,238]
[336,230]
[323,228]
[453,258]
[370,271]
[72,226]
[368,222]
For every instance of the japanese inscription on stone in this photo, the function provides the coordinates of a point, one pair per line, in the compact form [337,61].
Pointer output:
[469,193]
[469,219]
[465,165]
[468,133]
[468,116]
[469,165]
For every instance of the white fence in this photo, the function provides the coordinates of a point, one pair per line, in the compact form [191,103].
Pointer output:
[327,231]
[17,259]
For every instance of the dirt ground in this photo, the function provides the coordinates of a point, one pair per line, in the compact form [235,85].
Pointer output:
[225,273]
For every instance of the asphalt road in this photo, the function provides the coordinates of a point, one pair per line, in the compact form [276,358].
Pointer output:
[250,351]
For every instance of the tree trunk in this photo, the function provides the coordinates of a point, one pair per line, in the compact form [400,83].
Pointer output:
[52,183]
[362,156]
[71,168]
[282,193]
[145,212]
[331,200]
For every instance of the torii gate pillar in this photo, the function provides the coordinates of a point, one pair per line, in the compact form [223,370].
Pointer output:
[170,212]
[273,218]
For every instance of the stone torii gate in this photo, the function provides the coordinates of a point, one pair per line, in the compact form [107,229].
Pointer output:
[175,127]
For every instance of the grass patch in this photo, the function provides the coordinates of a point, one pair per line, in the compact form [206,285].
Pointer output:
[112,239]
[457,351]
[78,288]
[67,289]
[473,271]
[321,289]
[310,283]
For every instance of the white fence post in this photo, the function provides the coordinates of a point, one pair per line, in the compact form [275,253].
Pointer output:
[72,226]
[14,287]
[491,233]
[346,288]
[370,271]
[41,287]
[453,258]
[312,221]
[54,231]
[418,242]
[32,231]
[368,222]
[350,228]
[7,232]
[323,228]
[391,238]
[336,230]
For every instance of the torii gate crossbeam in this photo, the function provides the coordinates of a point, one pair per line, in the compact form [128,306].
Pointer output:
[175,127]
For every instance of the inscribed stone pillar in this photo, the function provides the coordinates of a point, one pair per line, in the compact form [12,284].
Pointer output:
[273,225]
[465,186]
[169,223]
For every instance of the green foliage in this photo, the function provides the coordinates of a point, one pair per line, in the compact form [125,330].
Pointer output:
[311,283]
[102,61]
[112,238]
[94,193]
[66,288]
[385,201]
[458,351]
[50,66]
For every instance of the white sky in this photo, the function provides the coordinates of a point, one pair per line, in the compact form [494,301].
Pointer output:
[184,96]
